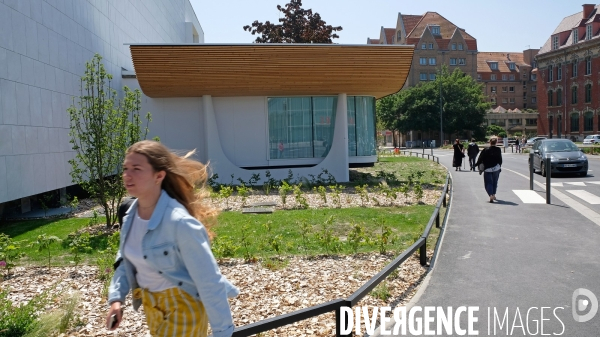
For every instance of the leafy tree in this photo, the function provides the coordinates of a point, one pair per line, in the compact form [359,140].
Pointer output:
[297,25]
[385,110]
[463,105]
[494,130]
[43,242]
[102,128]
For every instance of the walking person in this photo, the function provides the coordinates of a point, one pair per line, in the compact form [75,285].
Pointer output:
[164,254]
[518,145]
[458,154]
[491,158]
[472,152]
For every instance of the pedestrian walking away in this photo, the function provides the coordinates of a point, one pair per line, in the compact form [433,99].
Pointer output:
[458,154]
[472,152]
[164,255]
[490,164]
[518,145]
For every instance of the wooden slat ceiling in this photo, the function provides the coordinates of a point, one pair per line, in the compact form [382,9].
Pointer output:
[270,69]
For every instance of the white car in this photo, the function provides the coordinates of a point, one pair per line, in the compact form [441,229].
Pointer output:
[592,139]
[532,140]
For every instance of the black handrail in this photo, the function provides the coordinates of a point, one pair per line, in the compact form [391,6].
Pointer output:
[302,314]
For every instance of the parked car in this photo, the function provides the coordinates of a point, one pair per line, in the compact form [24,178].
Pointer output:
[591,139]
[564,155]
[532,140]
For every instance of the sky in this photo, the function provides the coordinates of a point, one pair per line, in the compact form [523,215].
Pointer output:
[508,25]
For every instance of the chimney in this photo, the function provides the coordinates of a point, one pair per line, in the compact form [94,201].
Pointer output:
[587,10]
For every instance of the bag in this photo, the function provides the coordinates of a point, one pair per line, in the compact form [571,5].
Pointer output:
[481,167]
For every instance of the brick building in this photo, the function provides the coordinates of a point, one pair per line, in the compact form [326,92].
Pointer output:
[569,77]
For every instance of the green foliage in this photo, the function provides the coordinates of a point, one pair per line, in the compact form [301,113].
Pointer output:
[224,246]
[297,25]
[299,196]
[59,320]
[94,220]
[213,182]
[254,179]
[386,109]
[73,204]
[322,191]
[43,242]
[284,189]
[356,237]
[494,130]
[502,134]
[243,192]
[384,238]
[225,192]
[273,240]
[418,191]
[19,320]
[45,201]
[305,229]
[270,183]
[363,192]
[79,243]
[10,252]
[326,237]
[106,260]
[102,127]
[335,195]
[245,241]
[382,292]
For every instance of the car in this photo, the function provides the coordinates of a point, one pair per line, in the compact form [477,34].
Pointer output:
[532,140]
[592,139]
[564,156]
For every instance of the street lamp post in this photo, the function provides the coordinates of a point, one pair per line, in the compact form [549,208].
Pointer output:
[441,112]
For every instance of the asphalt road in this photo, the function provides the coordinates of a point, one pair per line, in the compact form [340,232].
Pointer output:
[518,257]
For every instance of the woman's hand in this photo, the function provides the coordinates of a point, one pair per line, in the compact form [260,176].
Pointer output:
[115,309]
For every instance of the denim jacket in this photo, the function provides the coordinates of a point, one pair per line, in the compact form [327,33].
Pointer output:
[177,246]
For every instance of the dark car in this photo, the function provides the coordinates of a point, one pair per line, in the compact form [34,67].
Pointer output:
[564,156]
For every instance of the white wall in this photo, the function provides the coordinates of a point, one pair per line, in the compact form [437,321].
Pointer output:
[44,45]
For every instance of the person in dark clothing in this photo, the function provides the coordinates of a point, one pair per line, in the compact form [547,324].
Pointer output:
[518,145]
[491,158]
[472,152]
[458,154]
[123,208]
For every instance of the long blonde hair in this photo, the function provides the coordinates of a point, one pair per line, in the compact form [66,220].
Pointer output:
[185,179]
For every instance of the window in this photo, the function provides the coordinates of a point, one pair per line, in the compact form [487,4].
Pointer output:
[555,42]
[461,62]
[588,65]
[424,46]
[494,65]
[559,96]
[524,76]
[533,77]
[302,125]
[460,46]
[493,89]
[588,32]
[574,95]
[504,77]
[533,88]
[479,77]
[511,77]
[533,100]
[435,30]
[452,61]
[588,93]
[493,77]
[511,66]
[550,103]
[504,89]
[423,61]
[432,61]
[454,46]
[504,101]
[361,126]
[574,68]
[550,73]
[514,121]
[432,77]
[511,89]
[431,46]
[531,121]
[423,77]
[575,122]
[493,100]
[575,36]
[559,72]
[588,121]
[511,100]
[399,35]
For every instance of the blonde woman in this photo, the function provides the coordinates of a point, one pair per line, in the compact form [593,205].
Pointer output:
[164,255]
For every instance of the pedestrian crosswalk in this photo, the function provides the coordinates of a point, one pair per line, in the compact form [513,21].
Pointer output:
[590,196]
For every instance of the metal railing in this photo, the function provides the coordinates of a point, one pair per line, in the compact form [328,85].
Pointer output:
[423,154]
[337,304]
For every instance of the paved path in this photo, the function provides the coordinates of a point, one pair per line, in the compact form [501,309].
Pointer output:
[517,254]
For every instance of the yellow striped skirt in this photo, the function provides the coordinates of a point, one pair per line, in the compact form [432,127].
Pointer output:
[173,312]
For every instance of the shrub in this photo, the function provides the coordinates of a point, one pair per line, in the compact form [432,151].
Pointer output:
[43,242]
[300,198]
[10,252]
[17,320]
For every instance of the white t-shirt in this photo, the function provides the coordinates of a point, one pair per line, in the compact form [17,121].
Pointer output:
[147,277]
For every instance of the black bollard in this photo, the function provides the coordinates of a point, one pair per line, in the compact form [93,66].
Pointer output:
[548,175]
[531,171]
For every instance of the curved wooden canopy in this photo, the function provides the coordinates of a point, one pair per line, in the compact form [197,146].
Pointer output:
[194,70]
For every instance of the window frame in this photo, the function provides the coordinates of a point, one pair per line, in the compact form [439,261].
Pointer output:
[434,61]
[430,46]
[435,30]
[423,46]
[588,65]
[462,61]
[588,93]
[575,35]
[423,76]
[574,117]
[588,32]
[432,76]
[422,61]
[550,73]
[550,98]
[511,89]
[574,68]
[453,46]
[574,95]
[493,77]
[555,42]
[559,96]
[504,77]
[533,88]
[460,46]
[494,65]
[511,65]
[453,61]
[559,72]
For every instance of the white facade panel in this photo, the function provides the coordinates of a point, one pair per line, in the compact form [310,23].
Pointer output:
[44,45]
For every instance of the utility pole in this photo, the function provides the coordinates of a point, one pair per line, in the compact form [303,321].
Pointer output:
[441,111]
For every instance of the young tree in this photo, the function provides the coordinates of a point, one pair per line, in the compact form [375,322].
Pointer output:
[102,128]
[385,110]
[298,25]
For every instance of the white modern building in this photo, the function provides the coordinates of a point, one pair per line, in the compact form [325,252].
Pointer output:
[44,45]
[245,108]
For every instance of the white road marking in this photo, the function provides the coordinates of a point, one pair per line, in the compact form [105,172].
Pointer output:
[576,184]
[577,206]
[587,196]
[594,182]
[556,184]
[467,256]
[529,197]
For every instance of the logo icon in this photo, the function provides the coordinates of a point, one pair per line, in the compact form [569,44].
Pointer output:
[580,305]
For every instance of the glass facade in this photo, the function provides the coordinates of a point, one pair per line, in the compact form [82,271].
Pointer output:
[302,127]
